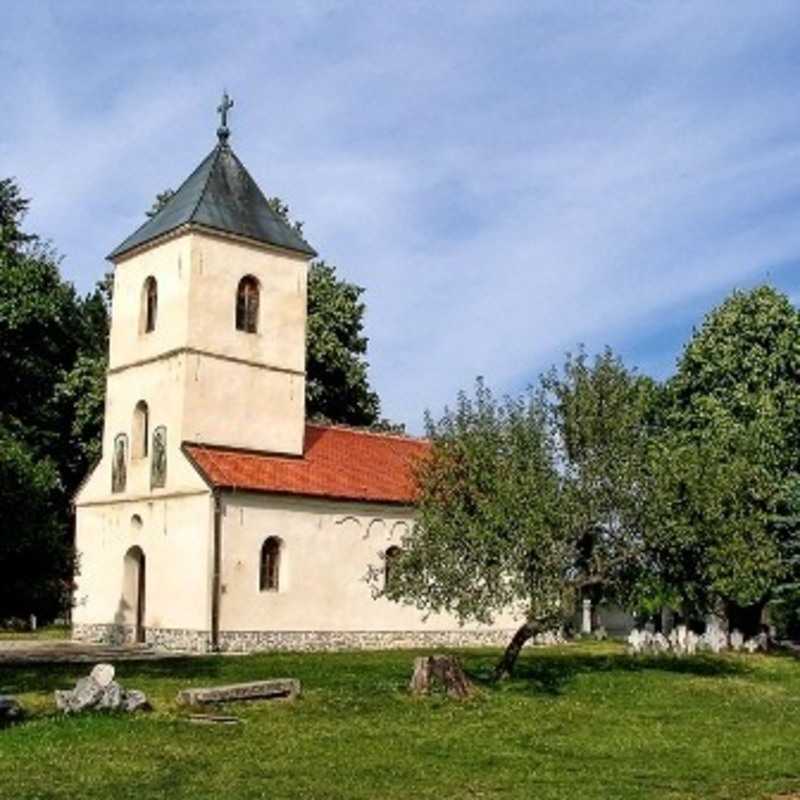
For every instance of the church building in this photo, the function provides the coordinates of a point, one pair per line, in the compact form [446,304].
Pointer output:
[218,518]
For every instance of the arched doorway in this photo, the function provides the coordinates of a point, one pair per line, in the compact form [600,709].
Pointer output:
[133,591]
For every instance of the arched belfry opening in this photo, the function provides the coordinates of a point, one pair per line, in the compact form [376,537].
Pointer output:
[133,591]
[149,304]
[247,297]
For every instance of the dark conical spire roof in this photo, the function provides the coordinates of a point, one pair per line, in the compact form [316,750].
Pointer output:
[220,195]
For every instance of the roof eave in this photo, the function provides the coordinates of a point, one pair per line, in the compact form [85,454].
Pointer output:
[335,498]
[119,254]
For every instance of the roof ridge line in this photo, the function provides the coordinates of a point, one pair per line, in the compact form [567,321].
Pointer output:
[149,219]
[216,152]
[278,218]
[403,437]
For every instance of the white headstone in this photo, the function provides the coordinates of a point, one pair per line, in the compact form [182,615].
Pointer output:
[660,643]
[586,619]
[737,640]
[762,640]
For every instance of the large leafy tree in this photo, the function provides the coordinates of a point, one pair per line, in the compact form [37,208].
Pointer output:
[710,537]
[36,556]
[525,504]
[337,384]
[725,467]
[42,329]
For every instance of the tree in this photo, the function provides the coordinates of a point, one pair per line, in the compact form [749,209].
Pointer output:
[44,325]
[13,208]
[526,503]
[708,535]
[36,558]
[162,198]
[40,333]
[726,463]
[784,607]
[337,384]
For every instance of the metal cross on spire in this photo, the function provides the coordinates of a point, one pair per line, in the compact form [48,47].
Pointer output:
[222,109]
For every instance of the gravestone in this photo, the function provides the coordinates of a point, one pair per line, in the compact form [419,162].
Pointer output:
[586,617]
[600,633]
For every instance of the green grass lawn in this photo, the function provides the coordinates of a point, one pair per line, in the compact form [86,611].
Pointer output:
[581,721]
[45,633]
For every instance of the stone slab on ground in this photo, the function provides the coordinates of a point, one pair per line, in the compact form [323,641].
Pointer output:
[276,689]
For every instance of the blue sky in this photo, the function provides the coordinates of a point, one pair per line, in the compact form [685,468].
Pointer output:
[505,179]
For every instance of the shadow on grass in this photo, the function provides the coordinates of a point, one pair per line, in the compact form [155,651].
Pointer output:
[19,678]
[550,672]
[368,675]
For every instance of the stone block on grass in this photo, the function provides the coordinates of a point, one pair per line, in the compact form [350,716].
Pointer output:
[277,689]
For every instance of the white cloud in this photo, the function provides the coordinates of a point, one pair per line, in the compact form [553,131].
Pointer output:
[505,180]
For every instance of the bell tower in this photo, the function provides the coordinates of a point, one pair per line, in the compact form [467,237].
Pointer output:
[209,317]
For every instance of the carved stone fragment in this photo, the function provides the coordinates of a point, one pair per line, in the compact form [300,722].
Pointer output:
[280,688]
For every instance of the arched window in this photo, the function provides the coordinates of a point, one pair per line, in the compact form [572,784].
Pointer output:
[141,430]
[389,560]
[247,305]
[149,304]
[270,564]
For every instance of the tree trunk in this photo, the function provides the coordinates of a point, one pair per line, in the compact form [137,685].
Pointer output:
[505,666]
[747,619]
[444,671]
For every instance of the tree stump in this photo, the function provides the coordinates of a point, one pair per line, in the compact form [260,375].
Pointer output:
[442,672]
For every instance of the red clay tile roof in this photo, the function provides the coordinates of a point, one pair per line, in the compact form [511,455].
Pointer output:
[339,463]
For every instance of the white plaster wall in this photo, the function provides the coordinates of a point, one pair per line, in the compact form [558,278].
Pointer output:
[162,385]
[241,389]
[170,264]
[258,401]
[218,264]
[326,553]
[176,539]
[237,405]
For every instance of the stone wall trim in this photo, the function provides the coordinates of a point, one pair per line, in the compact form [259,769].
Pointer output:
[198,641]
